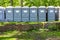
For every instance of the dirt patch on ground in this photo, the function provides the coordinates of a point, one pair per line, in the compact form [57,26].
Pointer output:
[19,27]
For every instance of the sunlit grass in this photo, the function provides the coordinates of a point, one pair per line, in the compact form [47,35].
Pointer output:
[13,35]
[9,34]
[7,38]
[4,23]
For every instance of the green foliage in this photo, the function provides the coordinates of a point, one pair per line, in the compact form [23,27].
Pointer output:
[16,2]
[1,2]
[31,3]
[42,2]
[58,26]
[52,27]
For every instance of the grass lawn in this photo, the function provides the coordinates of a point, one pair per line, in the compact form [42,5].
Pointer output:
[24,35]
[13,35]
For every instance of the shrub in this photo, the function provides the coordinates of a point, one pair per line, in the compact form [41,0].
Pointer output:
[52,27]
[58,26]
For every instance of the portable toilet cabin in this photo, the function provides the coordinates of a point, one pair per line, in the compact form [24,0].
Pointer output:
[56,13]
[42,13]
[17,14]
[51,13]
[59,14]
[25,14]
[33,14]
[9,13]
[2,16]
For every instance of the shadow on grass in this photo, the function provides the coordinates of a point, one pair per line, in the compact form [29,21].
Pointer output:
[33,35]
[36,35]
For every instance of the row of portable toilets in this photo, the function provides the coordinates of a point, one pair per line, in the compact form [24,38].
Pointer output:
[30,14]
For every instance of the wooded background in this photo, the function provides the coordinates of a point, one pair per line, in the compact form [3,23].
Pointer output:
[29,3]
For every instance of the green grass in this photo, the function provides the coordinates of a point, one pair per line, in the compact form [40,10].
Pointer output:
[8,39]
[4,23]
[13,39]
[12,35]
[9,35]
